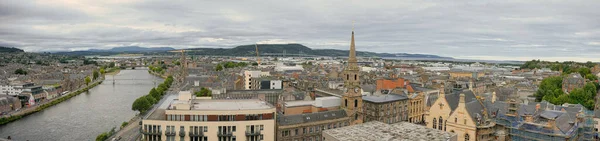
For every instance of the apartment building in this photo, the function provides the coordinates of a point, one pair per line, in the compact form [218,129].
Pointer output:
[188,119]
[308,127]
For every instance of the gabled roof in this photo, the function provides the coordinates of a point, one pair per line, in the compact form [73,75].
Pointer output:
[454,98]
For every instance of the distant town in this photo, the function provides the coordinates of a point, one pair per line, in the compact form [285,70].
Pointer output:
[291,93]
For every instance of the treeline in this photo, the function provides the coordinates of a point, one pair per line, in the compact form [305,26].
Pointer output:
[158,69]
[551,90]
[220,66]
[567,67]
[10,49]
[144,103]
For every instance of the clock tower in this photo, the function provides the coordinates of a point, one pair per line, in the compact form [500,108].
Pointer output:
[352,99]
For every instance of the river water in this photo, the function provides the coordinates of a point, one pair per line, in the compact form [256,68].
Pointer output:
[87,115]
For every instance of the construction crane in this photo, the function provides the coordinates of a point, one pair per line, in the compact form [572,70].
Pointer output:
[257,57]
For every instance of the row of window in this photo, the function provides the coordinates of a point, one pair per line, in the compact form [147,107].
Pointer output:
[313,129]
[219,118]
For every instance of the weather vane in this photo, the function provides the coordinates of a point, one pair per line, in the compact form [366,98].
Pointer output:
[352,25]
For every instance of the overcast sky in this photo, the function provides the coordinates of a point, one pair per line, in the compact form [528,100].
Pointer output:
[481,29]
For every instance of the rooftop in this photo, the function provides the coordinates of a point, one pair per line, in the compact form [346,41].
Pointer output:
[224,105]
[402,131]
[384,98]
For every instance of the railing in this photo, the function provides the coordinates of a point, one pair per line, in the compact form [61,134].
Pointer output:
[170,133]
[224,134]
[255,133]
[146,132]
[196,134]
[182,133]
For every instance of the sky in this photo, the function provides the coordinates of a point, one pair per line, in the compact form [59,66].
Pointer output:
[554,30]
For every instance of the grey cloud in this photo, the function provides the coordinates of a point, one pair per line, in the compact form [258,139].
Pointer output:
[519,29]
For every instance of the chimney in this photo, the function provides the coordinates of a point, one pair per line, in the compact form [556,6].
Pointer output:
[537,107]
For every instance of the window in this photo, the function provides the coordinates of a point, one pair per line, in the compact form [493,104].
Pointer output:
[355,116]
[347,77]
[465,121]
[346,102]
[466,137]
[441,123]
[434,123]
[455,120]
[355,103]
[355,77]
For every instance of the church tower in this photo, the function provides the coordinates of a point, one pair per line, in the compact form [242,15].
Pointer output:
[352,99]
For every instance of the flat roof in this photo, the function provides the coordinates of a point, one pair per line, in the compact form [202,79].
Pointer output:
[224,105]
[378,131]
[384,98]
[299,103]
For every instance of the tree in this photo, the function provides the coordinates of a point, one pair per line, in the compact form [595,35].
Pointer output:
[255,64]
[203,92]
[20,71]
[151,99]
[111,65]
[219,67]
[87,80]
[95,74]
[102,71]
[154,93]
[141,105]
[551,87]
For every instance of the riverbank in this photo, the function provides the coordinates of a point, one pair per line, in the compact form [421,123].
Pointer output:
[113,71]
[6,120]
[159,75]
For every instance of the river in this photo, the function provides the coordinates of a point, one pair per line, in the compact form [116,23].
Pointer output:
[87,115]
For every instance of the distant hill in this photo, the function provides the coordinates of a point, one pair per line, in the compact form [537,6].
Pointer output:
[249,50]
[134,49]
[117,50]
[290,49]
[9,49]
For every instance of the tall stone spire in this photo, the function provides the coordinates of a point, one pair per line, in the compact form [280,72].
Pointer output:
[352,98]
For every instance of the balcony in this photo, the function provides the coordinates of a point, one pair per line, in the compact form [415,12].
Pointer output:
[146,132]
[224,134]
[182,133]
[170,133]
[253,133]
[196,134]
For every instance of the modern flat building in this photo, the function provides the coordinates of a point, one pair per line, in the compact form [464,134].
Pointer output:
[188,119]
[250,75]
[269,95]
[378,131]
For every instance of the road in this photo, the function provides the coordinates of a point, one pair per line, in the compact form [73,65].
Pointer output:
[32,108]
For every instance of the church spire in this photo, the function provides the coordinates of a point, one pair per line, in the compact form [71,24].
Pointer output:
[352,55]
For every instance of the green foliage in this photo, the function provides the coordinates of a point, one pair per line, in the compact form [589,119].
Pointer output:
[95,74]
[102,71]
[141,104]
[20,71]
[234,64]
[255,64]
[219,67]
[150,99]
[111,65]
[154,93]
[551,90]
[204,92]
[87,80]
[6,120]
[124,124]
[104,136]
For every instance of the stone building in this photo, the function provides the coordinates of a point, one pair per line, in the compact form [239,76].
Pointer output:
[461,113]
[388,108]
[301,127]
[572,81]
[352,98]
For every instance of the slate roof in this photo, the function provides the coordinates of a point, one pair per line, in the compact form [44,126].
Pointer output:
[504,92]
[384,98]
[311,117]
[453,98]
[475,109]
